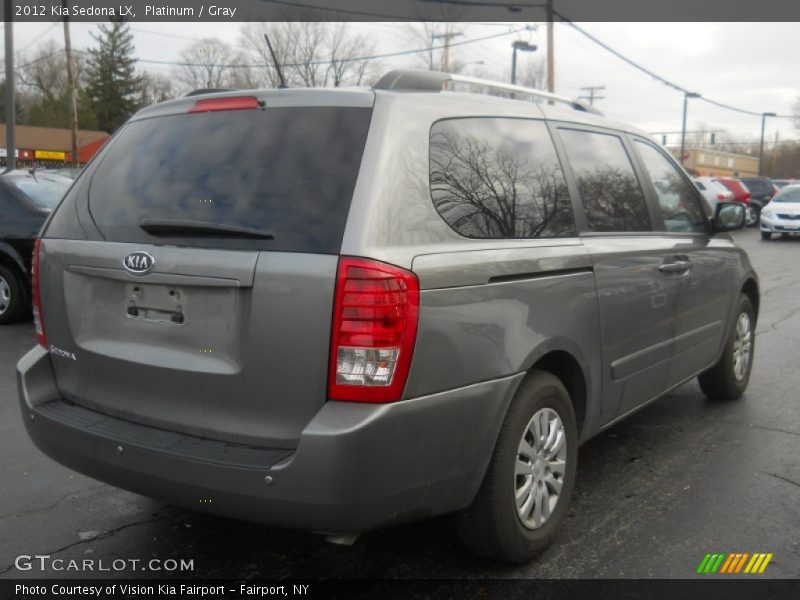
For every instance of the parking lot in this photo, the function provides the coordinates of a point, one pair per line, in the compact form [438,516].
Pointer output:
[683,477]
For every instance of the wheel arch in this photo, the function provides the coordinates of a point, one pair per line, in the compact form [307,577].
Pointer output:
[565,359]
[750,289]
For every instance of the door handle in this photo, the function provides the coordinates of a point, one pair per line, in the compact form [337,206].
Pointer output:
[679,266]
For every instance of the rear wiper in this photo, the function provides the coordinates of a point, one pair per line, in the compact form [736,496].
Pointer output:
[206,228]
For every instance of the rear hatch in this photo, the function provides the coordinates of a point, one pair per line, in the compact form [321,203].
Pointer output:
[196,294]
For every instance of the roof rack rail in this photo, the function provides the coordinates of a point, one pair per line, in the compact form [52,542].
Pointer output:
[200,91]
[416,80]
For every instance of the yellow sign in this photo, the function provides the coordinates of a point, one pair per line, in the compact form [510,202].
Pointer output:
[49,155]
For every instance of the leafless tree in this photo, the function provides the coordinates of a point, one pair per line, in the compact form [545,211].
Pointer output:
[44,72]
[156,88]
[207,64]
[313,54]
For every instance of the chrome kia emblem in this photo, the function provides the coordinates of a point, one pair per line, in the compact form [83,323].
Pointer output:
[139,263]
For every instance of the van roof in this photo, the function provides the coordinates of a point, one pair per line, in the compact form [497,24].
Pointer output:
[408,86]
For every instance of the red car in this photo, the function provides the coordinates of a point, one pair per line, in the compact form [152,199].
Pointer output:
[740,191]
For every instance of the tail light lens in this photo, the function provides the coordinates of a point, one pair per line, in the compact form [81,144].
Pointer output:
[38,321]
[376,311]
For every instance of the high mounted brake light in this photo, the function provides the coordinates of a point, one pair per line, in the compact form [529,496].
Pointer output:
[376,310]
[217,104]
[38,319]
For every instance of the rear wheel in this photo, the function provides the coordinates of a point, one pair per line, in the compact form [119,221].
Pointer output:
[525,494]
[728,379]
[766,235]
[13,300]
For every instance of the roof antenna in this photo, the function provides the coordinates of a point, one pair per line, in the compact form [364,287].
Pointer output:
[283,85]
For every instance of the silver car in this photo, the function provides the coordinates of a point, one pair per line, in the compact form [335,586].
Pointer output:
[782,213]
[337,310]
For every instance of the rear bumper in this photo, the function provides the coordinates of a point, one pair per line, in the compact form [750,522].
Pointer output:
[356,467]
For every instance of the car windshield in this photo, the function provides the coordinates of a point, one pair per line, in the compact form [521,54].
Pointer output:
[45,191]
[788,195]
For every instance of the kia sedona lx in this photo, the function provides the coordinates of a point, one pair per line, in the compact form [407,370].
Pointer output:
[358,308]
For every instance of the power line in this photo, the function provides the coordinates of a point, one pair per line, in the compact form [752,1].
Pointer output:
[657,77]
[325,62]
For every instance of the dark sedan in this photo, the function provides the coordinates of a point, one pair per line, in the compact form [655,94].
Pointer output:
[25,201]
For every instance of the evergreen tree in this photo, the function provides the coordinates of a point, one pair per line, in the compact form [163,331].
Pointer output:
[113,88]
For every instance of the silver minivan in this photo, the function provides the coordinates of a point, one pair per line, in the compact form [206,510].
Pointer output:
[337,310]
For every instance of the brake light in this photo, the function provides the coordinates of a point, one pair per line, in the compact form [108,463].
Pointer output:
[376,311]
[234,103]
[38,321]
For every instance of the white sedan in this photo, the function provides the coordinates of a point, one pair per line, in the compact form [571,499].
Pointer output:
[782,213]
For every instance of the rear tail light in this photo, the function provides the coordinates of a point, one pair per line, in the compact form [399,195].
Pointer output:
[376,311]
[747,197]
[234,103]
[38,320]
[721,196]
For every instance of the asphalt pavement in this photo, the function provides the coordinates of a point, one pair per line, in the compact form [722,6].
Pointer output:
[683,477]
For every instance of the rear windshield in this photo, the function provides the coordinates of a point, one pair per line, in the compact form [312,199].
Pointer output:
[758,186]
[43,190]
[287,173]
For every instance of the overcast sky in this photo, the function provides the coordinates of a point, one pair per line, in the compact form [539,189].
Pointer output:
[750,65]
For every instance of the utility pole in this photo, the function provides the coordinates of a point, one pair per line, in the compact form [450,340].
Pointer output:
[73,97]
[591,93]
[11,145]
[551,73]
[774,155]
[447,36]
[686,97]
[761,145]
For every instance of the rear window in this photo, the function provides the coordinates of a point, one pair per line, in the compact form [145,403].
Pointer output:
[497,178]
[286,172]
[43,190]
[758,186]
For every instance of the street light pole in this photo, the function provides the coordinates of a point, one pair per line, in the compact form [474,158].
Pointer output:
[686,97]
[761,145]
[522,47]
[11,145]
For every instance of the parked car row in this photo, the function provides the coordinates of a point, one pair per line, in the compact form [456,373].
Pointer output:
[753,192]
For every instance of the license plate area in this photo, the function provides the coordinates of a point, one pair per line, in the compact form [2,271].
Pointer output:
[156,304]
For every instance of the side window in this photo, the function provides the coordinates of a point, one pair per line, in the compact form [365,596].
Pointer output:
[499,178]
[677,200]
[612,197]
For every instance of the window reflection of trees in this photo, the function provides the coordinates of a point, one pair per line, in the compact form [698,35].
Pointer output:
[612,199]
[507,187]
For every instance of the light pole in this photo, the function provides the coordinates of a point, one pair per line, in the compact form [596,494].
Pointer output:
[686,97]
[761,145]
[522,47]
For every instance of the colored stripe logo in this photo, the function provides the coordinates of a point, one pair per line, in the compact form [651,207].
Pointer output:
[734,563]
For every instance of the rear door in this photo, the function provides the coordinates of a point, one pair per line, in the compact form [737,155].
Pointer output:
[198,297]
[637,293]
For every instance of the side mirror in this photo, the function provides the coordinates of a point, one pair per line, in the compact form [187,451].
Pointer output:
[729,216]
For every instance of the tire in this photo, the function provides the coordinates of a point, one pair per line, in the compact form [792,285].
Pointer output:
[13,300]
[491,526]
[766,235]
[727,380]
